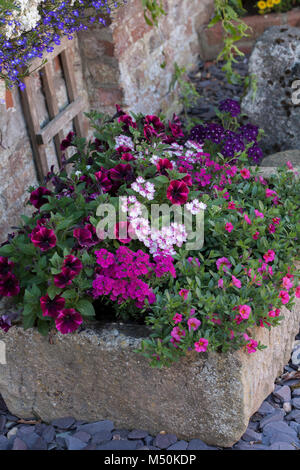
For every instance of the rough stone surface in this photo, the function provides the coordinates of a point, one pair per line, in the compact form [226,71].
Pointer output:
[83,375]
[275,62]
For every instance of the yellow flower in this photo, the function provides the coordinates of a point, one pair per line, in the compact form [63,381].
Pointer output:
[276,2]
[270,3]
[262,5]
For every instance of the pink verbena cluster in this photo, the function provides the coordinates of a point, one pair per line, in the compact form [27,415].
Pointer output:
[119,275]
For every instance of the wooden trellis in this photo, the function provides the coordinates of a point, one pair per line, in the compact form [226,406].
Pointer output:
[40,137]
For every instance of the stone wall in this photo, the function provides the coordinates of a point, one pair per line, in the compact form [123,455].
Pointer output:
[122,63]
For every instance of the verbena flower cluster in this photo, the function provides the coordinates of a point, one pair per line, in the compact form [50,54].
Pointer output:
[229,138]
[31,28]
[58,265]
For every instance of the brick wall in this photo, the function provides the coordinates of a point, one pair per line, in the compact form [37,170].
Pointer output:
[121,63]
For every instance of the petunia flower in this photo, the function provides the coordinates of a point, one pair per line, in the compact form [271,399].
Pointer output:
[43,238]
[177,192]
[73,263]
[37,197]
[52,307]
[68,321]
[9,285]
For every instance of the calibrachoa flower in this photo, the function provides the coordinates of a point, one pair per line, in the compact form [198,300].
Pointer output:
[201,345]
[245,173]
[244,311]
[177,318]
[269,256]
[255,236]
[68,320]
[236,282]
[177,333]
[193,324]
[52,307]
[229,227]
[224,263]
[284,296]
[43,238]
[297,292]
[184,293]
[251,345]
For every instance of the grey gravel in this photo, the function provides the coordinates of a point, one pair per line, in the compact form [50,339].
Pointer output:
[283,393]
[163,441]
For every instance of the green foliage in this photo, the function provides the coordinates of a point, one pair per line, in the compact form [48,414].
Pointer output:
[234,30]
[153,10]
[186,94]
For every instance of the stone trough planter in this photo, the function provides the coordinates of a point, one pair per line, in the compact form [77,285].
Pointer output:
[95,374]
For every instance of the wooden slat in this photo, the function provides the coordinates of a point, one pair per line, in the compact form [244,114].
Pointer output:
[39,151]
[52,104]
[43,136]
[72,89]
[65,43]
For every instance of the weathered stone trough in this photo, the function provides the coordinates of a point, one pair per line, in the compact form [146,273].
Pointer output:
[95,374]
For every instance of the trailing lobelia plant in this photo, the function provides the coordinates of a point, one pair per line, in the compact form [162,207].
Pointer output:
[94,240]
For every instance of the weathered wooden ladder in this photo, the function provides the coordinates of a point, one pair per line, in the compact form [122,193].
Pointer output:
[40,137]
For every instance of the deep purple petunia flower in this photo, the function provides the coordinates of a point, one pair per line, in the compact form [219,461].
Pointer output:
[122,172]
[5,323]
[43,238]
[155,122]
[37,197]
[52,308]
[68,321]
[9,285]
[86,236]
[103,181]
[64,278]
[73,263]
[5,265]
[67,142]
[163,165]
[177,192]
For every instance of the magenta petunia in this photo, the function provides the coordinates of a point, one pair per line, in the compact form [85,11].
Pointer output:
[68,321]
[67,142]
[149,132]
[43,238]
[103,182]
[127,122]
[177,192]
[155,122]
[64,278]
[163,165]
[37,197]
[9,285]
[5,265]
[73,263]
[193,323]
[52,307]
[86,236]
[123,172]
[5,323]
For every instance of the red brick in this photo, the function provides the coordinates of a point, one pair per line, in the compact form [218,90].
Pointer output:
[9,99]
[109,96]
